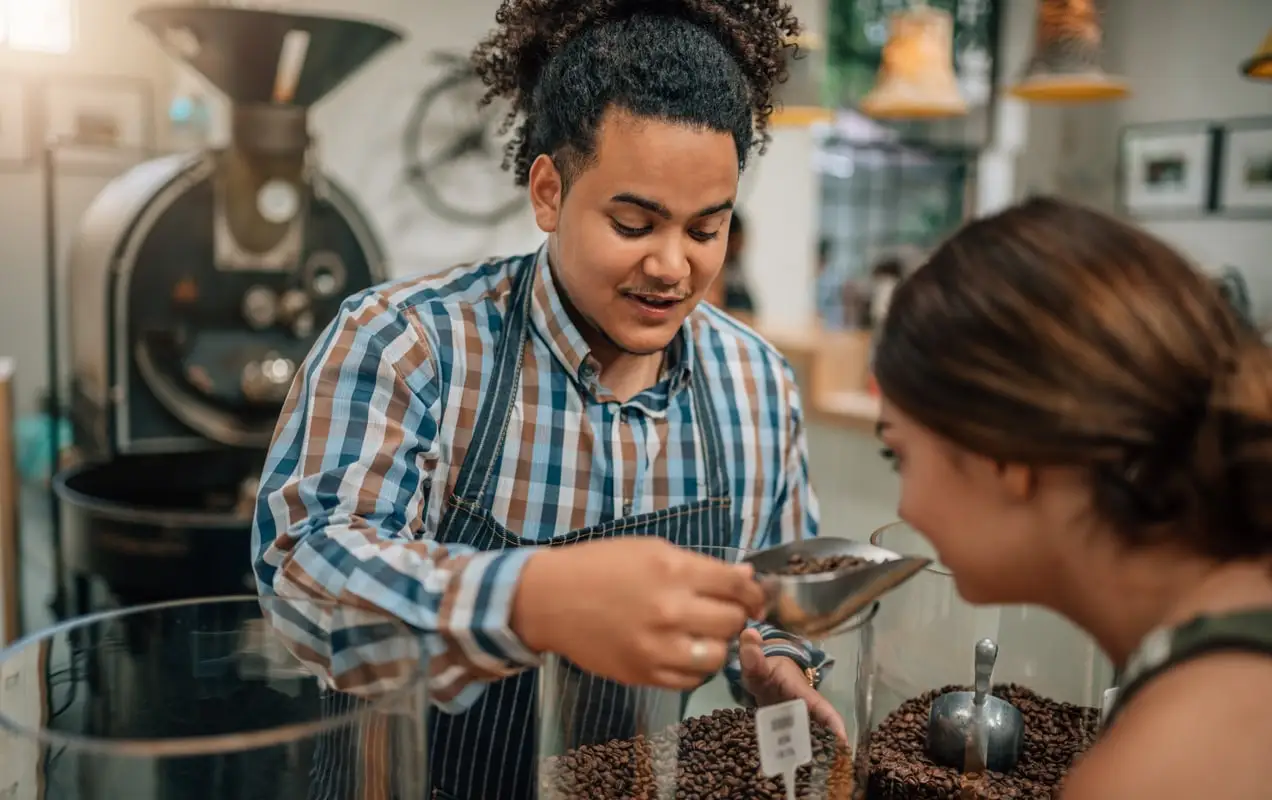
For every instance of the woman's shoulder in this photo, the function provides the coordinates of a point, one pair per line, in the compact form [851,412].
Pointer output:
[1201,730]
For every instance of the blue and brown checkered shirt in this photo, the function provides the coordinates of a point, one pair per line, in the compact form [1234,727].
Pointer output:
[376,426]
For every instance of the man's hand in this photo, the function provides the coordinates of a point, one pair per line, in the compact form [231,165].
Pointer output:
[635,609]
[777,679]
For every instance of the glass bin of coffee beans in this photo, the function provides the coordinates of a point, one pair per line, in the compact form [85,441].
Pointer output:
[925,636]
[601,739]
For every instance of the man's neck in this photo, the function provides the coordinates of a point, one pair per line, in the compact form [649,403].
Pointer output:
[626,375]
[623,373]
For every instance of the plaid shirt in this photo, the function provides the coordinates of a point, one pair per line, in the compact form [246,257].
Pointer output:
[377,424]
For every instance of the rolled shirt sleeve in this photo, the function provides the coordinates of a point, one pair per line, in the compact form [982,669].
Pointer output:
[342,502]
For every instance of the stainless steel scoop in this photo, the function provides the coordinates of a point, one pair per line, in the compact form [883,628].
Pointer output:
[975,731]
[815,605]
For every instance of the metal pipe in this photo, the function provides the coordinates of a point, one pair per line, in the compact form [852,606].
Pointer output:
[58,603]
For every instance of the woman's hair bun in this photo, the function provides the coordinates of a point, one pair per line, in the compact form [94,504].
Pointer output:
[1213,470]
[1232,459]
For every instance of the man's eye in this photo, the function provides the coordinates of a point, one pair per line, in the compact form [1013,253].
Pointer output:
[703,236]
[628,231]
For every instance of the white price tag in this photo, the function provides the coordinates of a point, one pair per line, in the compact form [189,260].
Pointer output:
[784,739]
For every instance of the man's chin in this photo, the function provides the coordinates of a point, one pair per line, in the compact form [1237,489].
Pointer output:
[642,341]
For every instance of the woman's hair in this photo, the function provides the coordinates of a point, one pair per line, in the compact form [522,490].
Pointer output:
[562,63]
[1050,334]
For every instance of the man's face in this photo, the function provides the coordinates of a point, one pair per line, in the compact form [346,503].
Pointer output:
[642,232]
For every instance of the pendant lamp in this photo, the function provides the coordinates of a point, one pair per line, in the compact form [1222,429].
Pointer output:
[1259,67]
[916,79]
[1066,61]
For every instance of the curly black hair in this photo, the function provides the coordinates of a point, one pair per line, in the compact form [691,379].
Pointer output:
[712,64]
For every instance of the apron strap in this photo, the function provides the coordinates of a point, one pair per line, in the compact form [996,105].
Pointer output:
[501,393]
[708,428]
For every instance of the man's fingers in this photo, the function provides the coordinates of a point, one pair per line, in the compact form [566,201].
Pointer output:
[755,666]
[735,582]
[825,713]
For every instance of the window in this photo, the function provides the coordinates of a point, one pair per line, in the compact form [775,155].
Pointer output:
[41,26]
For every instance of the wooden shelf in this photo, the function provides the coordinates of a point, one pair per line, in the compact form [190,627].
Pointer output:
[833,368]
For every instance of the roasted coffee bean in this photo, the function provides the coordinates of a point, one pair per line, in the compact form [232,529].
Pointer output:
[1055,735]
[713,757]
[809,565]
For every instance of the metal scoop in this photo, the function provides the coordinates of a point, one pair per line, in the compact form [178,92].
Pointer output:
[975,731]
[815,605]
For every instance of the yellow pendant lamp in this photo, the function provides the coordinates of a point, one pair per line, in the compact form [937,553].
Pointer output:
[916,77]
[1259,67]
[1066,61]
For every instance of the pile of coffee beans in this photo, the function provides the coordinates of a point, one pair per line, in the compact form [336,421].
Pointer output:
[1055,734]
[712,757]
[813,565]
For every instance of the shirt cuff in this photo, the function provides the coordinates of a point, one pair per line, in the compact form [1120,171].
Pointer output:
[477,610]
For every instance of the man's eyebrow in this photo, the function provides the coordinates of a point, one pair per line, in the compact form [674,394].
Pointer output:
[652,206]
[655,207]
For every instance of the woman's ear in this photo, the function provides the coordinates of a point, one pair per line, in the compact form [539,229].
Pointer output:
[545,193]
[1019,482]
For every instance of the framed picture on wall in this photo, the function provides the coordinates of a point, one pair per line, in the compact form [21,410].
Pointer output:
[99,122]
[1167,169]
[1245,168]
[17,122]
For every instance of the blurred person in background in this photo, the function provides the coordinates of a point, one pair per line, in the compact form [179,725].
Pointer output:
[730,291]
[830,289]
[1080,421]
[884,277]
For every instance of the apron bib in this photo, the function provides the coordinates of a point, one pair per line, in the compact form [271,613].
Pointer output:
[488,752]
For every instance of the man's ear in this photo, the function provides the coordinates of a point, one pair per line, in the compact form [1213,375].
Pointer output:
[546,189]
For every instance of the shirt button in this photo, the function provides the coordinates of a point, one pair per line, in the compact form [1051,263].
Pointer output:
[627,509]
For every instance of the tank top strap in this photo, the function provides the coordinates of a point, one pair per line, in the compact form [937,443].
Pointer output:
[1248,631]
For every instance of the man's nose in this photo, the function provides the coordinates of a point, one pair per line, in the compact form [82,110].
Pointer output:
[668,265]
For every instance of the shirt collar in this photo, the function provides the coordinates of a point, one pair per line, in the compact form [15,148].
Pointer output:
[548,314]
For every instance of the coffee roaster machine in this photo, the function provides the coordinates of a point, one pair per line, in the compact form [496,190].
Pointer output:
[198,284]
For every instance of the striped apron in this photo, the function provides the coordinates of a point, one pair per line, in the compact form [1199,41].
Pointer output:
[488,752]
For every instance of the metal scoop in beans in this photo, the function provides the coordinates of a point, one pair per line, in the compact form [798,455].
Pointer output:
[817,585]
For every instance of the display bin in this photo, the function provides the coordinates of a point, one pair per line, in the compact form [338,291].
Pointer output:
[925,637]
[225,698]
[598,738]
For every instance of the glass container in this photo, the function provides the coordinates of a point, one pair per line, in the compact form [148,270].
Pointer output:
[205,699]
[925,637]
[598,738]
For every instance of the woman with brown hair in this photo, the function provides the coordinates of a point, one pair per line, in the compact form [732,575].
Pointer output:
[1081,422]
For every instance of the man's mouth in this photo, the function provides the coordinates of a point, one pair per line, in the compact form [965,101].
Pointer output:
[655,302]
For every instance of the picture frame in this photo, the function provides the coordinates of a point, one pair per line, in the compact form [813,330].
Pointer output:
[1245,168]
[99,122]
[18,122]
[1167,170]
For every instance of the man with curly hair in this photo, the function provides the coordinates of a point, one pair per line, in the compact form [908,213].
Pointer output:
[448,431]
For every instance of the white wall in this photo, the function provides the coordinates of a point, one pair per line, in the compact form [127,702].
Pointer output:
[110,45]
[1181,59]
